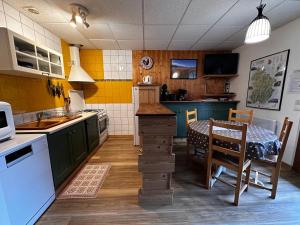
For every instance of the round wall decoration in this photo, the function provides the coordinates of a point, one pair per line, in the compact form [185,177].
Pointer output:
[146,62]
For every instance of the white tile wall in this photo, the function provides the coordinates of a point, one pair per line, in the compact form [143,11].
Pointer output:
[2,19]
[117,64]
[21,24]
[120,117]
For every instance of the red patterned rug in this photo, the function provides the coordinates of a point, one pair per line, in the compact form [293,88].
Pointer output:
[87,182]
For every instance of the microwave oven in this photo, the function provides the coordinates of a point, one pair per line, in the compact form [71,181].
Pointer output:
[7,126]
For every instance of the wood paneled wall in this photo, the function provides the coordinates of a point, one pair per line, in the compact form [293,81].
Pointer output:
[160,71]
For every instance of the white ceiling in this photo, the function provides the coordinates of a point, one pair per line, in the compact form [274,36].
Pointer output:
[159,24]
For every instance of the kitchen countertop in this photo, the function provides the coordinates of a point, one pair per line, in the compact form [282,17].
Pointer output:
[19,141]
[154,110]
[84,116]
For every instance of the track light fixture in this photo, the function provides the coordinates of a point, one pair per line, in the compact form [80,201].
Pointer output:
[73,21]
[79,14]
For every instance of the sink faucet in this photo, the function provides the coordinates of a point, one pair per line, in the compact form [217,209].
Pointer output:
[39,116]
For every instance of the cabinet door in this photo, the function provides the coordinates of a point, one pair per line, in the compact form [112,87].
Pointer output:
[60,155]
[79,146]
[149,94]
[92,133]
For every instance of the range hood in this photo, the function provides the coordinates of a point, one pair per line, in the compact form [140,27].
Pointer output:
[77,73]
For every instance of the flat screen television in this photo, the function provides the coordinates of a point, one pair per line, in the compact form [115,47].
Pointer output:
[183,68]
[221,63]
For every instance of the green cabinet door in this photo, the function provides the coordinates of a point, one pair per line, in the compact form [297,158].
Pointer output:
[92,133]
[60,155]
[78,145]
[206,110]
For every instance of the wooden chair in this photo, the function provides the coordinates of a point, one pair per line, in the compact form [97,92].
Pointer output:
[191,116]
[219,156]
[274,161]
[243,116]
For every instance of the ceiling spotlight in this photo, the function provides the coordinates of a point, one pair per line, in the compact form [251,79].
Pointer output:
[31,9]
[260,28]
[86,25]
[73,21]
[79,14]
[78,19]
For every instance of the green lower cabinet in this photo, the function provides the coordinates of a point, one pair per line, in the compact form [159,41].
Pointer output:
[92,132]
[78,144]
[67,149]
[205,110]
[60,155]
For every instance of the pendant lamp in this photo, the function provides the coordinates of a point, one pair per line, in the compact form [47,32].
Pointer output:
[260,28]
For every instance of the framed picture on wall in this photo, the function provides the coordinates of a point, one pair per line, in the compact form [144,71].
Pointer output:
[266,81]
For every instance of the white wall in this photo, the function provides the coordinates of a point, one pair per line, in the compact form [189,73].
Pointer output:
[286,37]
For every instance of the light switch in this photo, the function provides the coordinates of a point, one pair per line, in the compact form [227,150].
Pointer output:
[297,105]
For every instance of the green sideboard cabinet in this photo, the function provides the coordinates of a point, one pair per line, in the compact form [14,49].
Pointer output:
[92,132]
[60,155]
[206,110]
[79,146]
[67,149]
[69,146]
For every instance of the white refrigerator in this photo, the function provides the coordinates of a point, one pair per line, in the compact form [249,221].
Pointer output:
[135,98]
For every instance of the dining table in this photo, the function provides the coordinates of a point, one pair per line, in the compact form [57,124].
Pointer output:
[260,142]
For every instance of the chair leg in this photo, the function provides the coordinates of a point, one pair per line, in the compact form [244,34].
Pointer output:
[208,171]
[256,177]
[238,188]
[247,180]
[275,176]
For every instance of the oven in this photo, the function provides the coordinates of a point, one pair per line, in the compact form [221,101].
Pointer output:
[103,122]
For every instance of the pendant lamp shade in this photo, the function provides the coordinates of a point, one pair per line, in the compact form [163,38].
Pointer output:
[259,29]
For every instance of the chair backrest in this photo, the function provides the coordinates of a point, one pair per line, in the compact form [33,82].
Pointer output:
[243,116]
[191,116]
[284,136]
[240,154]
[265,123]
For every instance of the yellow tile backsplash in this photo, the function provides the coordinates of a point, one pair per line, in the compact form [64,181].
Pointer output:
[92,62]
[108,92]
[103,91]
[28,94]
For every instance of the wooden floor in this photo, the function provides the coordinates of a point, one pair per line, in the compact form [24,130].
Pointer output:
[117,199]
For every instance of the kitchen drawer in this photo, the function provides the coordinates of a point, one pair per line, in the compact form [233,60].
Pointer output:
[157,125]
[156,149]
[156,181]
[158,140]
[156,164]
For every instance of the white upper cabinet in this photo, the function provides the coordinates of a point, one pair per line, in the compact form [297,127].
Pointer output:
[24,57]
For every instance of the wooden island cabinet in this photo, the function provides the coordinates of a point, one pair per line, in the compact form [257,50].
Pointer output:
[157,126]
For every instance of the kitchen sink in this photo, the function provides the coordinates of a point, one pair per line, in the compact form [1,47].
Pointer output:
[46,123]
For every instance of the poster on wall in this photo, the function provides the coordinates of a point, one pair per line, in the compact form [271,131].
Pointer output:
[294,86]
[266,81]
